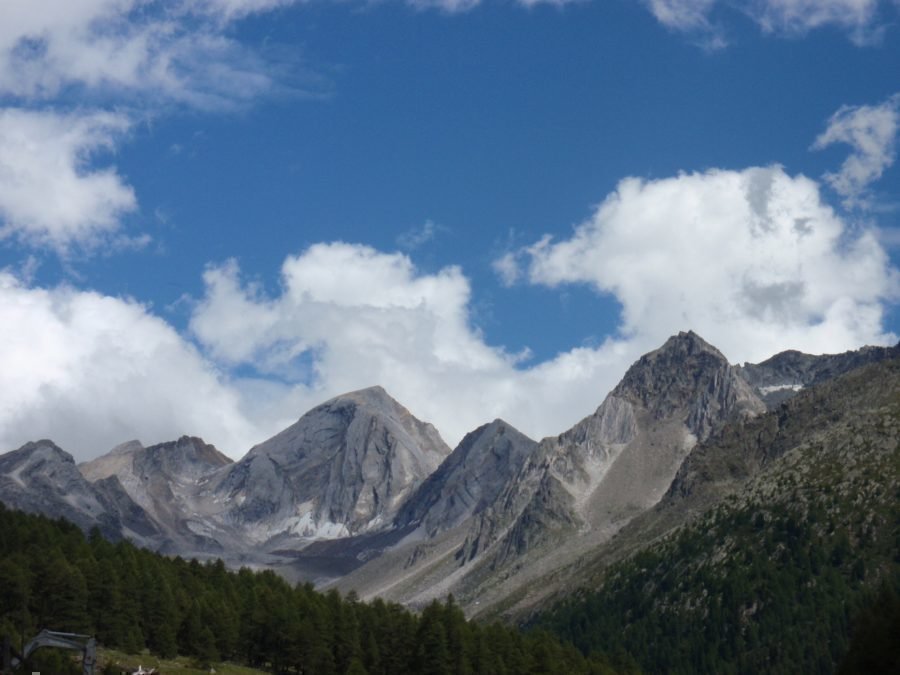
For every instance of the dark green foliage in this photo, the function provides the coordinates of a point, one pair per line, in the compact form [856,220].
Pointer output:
[52,576]
[875,646]
[731,594]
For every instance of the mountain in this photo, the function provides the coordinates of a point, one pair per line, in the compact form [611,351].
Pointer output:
[572,492]
[775,534]
[41,478]
[778,378]
[469,480]
[164,480]
[343,468]
[360,494]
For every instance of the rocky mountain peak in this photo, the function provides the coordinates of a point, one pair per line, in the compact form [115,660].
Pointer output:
[36,453]
[470,479]
[343,467]
[188,456]
[782,376]
[688,373]
[40,477]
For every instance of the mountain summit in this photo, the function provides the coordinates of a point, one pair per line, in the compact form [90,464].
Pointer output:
[574,491]
[344,467]
[360,492]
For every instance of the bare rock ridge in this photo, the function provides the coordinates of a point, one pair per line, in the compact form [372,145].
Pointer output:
[780,377]
[469,480]
[687,373]
[619,460]
[164,480]
[580,487]
[571,492]
[41,478]
[360,489]
[343,468]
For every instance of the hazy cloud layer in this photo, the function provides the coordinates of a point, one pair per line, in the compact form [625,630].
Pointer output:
[159,50]
[859,18]
[871,132]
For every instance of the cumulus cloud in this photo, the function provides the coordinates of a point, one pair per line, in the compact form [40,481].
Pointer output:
[871,132]
[348,316]
[90,371]
[753,260]
[362,317]
[50,194]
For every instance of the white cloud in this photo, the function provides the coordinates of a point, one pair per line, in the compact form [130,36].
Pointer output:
[419,236]
[859,18]
[145,54]
[363,317]
[348,316]
[90,371]
[871,132]
[754,261]
[171,51]
[801,16]
[507,268]
[50,195]
[686,15]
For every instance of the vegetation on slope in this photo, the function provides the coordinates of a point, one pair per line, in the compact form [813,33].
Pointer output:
[774,578]
[52,576]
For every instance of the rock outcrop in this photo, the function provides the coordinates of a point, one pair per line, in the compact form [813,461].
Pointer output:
[469,480]
[41,478]
[343,468]
[165,480]
[782,376]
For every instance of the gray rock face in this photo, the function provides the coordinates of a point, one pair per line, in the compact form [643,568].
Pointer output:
[784,375]
[470,479]
[345,467]
[358,486]
[688,374]
[165,480]
[573,491]
[619,461]
[41,478]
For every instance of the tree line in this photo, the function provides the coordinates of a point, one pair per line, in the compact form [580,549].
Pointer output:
[53,576]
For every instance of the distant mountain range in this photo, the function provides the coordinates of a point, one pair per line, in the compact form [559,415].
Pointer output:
[360,494]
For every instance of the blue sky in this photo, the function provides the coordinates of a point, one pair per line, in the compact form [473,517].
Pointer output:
[215,214]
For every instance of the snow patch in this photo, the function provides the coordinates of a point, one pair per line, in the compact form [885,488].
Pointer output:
[780,387]
[307,527]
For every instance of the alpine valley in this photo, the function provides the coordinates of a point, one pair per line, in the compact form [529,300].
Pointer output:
[699,493]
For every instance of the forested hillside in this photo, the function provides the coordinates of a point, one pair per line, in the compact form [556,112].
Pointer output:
[777,577]
[52,576]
